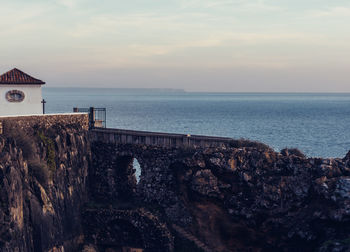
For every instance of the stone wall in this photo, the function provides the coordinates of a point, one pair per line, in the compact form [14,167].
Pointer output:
[63,188]
[26,123]
[44,164]
[144,230]
[230,199]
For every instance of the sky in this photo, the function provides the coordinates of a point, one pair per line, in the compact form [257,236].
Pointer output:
[196,45]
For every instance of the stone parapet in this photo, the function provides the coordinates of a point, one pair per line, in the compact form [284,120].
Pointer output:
[168,140]
[79,120]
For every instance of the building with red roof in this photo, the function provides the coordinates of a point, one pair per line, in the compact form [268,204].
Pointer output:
[20,94]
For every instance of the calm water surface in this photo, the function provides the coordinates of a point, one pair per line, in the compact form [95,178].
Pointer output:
[318,124]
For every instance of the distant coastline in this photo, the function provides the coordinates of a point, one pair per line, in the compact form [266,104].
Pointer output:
[180,90]
[141,90]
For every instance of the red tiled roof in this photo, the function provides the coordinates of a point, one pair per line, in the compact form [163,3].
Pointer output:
[16,76]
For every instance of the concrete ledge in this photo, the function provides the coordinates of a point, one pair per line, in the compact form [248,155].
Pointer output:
[152,133]
[121,136]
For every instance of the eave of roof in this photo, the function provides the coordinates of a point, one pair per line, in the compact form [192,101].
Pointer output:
[17,77]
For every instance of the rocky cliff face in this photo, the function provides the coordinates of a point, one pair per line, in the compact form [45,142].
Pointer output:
[43,178]
[243,199]
[60,191]
[231,199]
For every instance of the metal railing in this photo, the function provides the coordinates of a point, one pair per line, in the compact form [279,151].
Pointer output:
[97,116]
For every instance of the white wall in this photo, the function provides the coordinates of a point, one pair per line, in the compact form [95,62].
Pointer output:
[30,105]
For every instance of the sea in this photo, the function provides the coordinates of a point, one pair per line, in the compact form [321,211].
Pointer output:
[316,123]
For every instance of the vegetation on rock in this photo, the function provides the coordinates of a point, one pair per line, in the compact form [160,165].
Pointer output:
[39,170]
[51,153]
[293,151]
[23,139]
[241,143]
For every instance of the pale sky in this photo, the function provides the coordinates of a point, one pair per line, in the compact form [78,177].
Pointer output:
[197,45]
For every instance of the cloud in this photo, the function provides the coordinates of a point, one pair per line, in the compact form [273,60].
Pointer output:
[68,3]
[235,5]
[206,3]
[145,50]
[15,14]
[135,24]
[331,12]
[138,37]
[226,40]
[20,19]
[74,35]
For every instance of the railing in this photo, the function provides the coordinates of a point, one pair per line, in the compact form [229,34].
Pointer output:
[97,116]
[120,136]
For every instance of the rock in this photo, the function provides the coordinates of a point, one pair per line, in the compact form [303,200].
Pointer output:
[336,246]
[343,188]
[34,216]
[246,177]
[215,161]
[205,183]
[90,248]
[225,199]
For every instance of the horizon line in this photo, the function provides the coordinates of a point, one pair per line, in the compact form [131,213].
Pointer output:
[218,92]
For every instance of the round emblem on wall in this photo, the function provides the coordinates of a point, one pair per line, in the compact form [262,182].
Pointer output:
[15,96]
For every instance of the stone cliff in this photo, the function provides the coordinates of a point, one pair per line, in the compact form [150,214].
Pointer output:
[229,199]
[69,191]
[43,182]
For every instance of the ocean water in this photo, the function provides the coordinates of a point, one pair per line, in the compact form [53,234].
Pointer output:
[317,124]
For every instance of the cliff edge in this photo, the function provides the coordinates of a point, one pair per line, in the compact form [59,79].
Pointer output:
[43,182]
[63,190]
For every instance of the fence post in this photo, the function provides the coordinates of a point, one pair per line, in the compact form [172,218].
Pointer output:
[91,117]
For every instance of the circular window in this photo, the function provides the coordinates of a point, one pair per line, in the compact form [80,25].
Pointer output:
[15,96]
